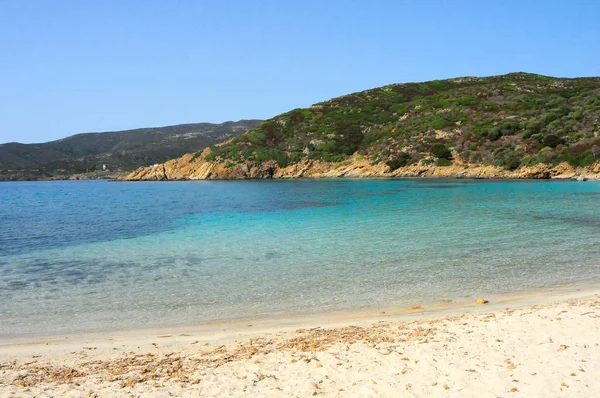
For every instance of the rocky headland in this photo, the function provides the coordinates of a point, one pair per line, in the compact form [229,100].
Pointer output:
[518,125]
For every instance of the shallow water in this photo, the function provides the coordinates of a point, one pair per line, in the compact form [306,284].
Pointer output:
[87,256]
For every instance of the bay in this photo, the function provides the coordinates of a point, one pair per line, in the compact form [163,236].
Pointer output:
[80,256]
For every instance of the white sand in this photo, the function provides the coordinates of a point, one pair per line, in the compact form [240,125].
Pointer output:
[545,350]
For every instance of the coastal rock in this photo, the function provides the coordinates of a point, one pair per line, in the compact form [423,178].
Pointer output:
[192,167]
[534,172]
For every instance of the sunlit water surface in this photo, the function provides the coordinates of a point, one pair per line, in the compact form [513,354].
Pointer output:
[89,256]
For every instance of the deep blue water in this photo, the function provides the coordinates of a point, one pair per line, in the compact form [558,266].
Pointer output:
[87,255]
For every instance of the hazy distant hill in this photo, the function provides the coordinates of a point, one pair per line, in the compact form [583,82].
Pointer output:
[118,150]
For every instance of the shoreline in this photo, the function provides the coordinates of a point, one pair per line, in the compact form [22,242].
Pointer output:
[532,345]
[230,329]
[580,177]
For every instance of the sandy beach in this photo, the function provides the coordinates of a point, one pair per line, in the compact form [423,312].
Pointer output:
[517,347]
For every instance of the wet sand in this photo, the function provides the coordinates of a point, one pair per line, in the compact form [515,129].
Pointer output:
[543,343]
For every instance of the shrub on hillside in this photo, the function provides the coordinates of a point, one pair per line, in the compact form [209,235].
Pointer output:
[400,160]
[441,151]
[582,160]
[443,162]
[552,141]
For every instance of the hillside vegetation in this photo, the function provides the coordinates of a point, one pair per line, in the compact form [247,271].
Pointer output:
[510,121]
[118,150]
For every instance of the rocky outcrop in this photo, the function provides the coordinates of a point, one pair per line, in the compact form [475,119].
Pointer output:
[190,168]
[187,168]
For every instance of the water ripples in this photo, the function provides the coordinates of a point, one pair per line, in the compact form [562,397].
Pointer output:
[77,256]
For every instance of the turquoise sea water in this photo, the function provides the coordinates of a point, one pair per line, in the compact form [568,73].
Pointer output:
[86,256]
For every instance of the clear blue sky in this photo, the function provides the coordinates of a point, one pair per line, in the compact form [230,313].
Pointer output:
[68,67]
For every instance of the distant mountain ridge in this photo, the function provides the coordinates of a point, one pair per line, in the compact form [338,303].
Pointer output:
[114,151]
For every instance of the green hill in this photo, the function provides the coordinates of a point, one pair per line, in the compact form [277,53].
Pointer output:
[511,121]
[118,150]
